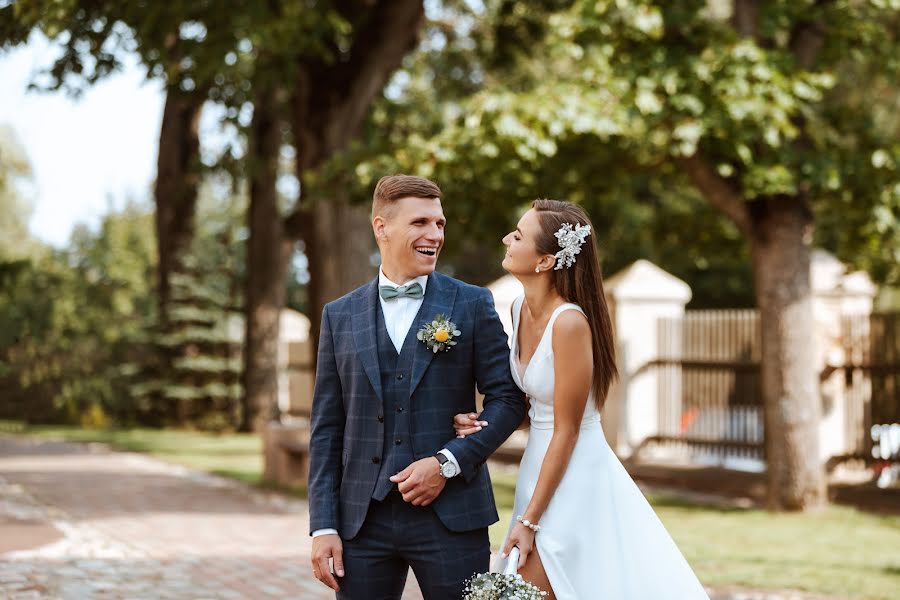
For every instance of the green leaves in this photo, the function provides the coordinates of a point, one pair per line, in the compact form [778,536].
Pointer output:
[613,93]
[68,319]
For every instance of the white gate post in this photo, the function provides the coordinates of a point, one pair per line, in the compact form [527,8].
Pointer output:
[638,297]
[836,295]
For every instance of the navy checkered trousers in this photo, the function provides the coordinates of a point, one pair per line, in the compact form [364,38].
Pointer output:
[348,437]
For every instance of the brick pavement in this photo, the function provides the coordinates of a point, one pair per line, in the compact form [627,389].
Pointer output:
[112,525]
[135,527]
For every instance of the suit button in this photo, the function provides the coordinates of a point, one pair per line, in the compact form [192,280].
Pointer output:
[381,418]
[376,459]
[399,409]
[400,377]
[398,441]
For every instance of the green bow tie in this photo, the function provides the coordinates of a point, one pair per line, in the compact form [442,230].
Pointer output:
[413,290]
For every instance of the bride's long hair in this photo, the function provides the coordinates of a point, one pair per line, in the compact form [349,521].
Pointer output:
[582,283]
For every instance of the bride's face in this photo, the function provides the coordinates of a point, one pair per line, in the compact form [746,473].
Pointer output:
[521,248]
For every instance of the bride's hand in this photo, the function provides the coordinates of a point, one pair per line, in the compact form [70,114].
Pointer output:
[523,537]
[467,424]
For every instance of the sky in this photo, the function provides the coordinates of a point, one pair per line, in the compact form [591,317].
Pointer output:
[87,154]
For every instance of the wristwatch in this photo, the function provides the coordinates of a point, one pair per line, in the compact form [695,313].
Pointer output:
[448,469]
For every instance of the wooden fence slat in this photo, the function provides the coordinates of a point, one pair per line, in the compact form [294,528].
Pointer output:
[710,391]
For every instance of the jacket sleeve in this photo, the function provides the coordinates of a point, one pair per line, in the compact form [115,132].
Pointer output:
[504,402]
[326,435]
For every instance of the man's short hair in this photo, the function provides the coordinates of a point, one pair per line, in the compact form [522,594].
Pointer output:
[393,187]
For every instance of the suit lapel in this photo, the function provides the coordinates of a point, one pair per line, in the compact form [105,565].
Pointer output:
[365,327]
[439,299]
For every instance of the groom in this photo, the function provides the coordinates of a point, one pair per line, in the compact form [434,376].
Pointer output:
[390,485]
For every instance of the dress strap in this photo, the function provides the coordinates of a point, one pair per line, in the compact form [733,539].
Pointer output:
[516,311]
[563,308]
[547,338]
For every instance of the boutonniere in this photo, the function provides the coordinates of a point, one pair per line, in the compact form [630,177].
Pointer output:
[438,335]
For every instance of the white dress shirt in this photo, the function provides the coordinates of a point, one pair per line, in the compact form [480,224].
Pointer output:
[399,314]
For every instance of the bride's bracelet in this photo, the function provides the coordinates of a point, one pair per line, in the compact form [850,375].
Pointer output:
[532,526]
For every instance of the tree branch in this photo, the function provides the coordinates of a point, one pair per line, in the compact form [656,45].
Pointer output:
[746,18]
[334,99]
[379,49]
[331,101]
[295,223]
[717,191]
[808,38]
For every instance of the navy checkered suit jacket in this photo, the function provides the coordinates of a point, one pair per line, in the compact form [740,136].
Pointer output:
[347,436]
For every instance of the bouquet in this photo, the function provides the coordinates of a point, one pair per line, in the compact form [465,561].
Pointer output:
[508,585]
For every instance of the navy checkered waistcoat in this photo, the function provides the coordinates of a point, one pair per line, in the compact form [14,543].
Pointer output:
[348,432]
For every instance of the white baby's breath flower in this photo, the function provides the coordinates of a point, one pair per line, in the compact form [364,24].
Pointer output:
[495,586]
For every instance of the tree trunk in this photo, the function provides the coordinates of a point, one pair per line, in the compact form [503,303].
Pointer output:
[338,263]
[268,253]
[780,246]
[177,179]
[328,106]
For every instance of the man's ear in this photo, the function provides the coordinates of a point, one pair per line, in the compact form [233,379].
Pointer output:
[378,224]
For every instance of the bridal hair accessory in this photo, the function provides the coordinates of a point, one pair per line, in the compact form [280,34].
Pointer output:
[532,526]
[570,240]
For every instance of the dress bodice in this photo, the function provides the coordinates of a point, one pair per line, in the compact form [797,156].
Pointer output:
[537,378]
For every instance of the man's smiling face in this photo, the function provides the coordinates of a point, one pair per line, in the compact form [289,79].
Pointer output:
[410,234]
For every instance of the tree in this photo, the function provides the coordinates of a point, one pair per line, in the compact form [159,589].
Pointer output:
[70,321]
[332,81]
[268,255]
[201,386]
[743,103]
[640,211]
[331,102]
[14,205]
[174,46]
[314,70]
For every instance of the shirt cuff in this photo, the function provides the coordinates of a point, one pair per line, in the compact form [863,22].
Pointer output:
[452,459]
[319,532]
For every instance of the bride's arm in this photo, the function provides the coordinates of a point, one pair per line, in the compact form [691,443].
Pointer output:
[573,367]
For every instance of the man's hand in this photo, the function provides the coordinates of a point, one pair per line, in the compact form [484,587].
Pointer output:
[325,547]
[421,482]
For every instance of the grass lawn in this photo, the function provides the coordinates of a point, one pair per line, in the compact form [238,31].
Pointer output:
[234,455]
[841,552]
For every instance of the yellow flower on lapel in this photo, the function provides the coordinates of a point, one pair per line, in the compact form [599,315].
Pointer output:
[438,335]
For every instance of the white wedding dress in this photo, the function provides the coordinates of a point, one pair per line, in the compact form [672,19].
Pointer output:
[599,537]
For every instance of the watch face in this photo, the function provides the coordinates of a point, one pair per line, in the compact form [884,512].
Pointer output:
[448,470]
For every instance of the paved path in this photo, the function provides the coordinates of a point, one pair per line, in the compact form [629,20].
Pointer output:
[78,522]
[129,526]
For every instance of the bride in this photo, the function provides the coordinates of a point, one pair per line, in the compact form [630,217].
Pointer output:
[582,526]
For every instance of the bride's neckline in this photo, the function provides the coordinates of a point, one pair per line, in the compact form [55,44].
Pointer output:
[524,368]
